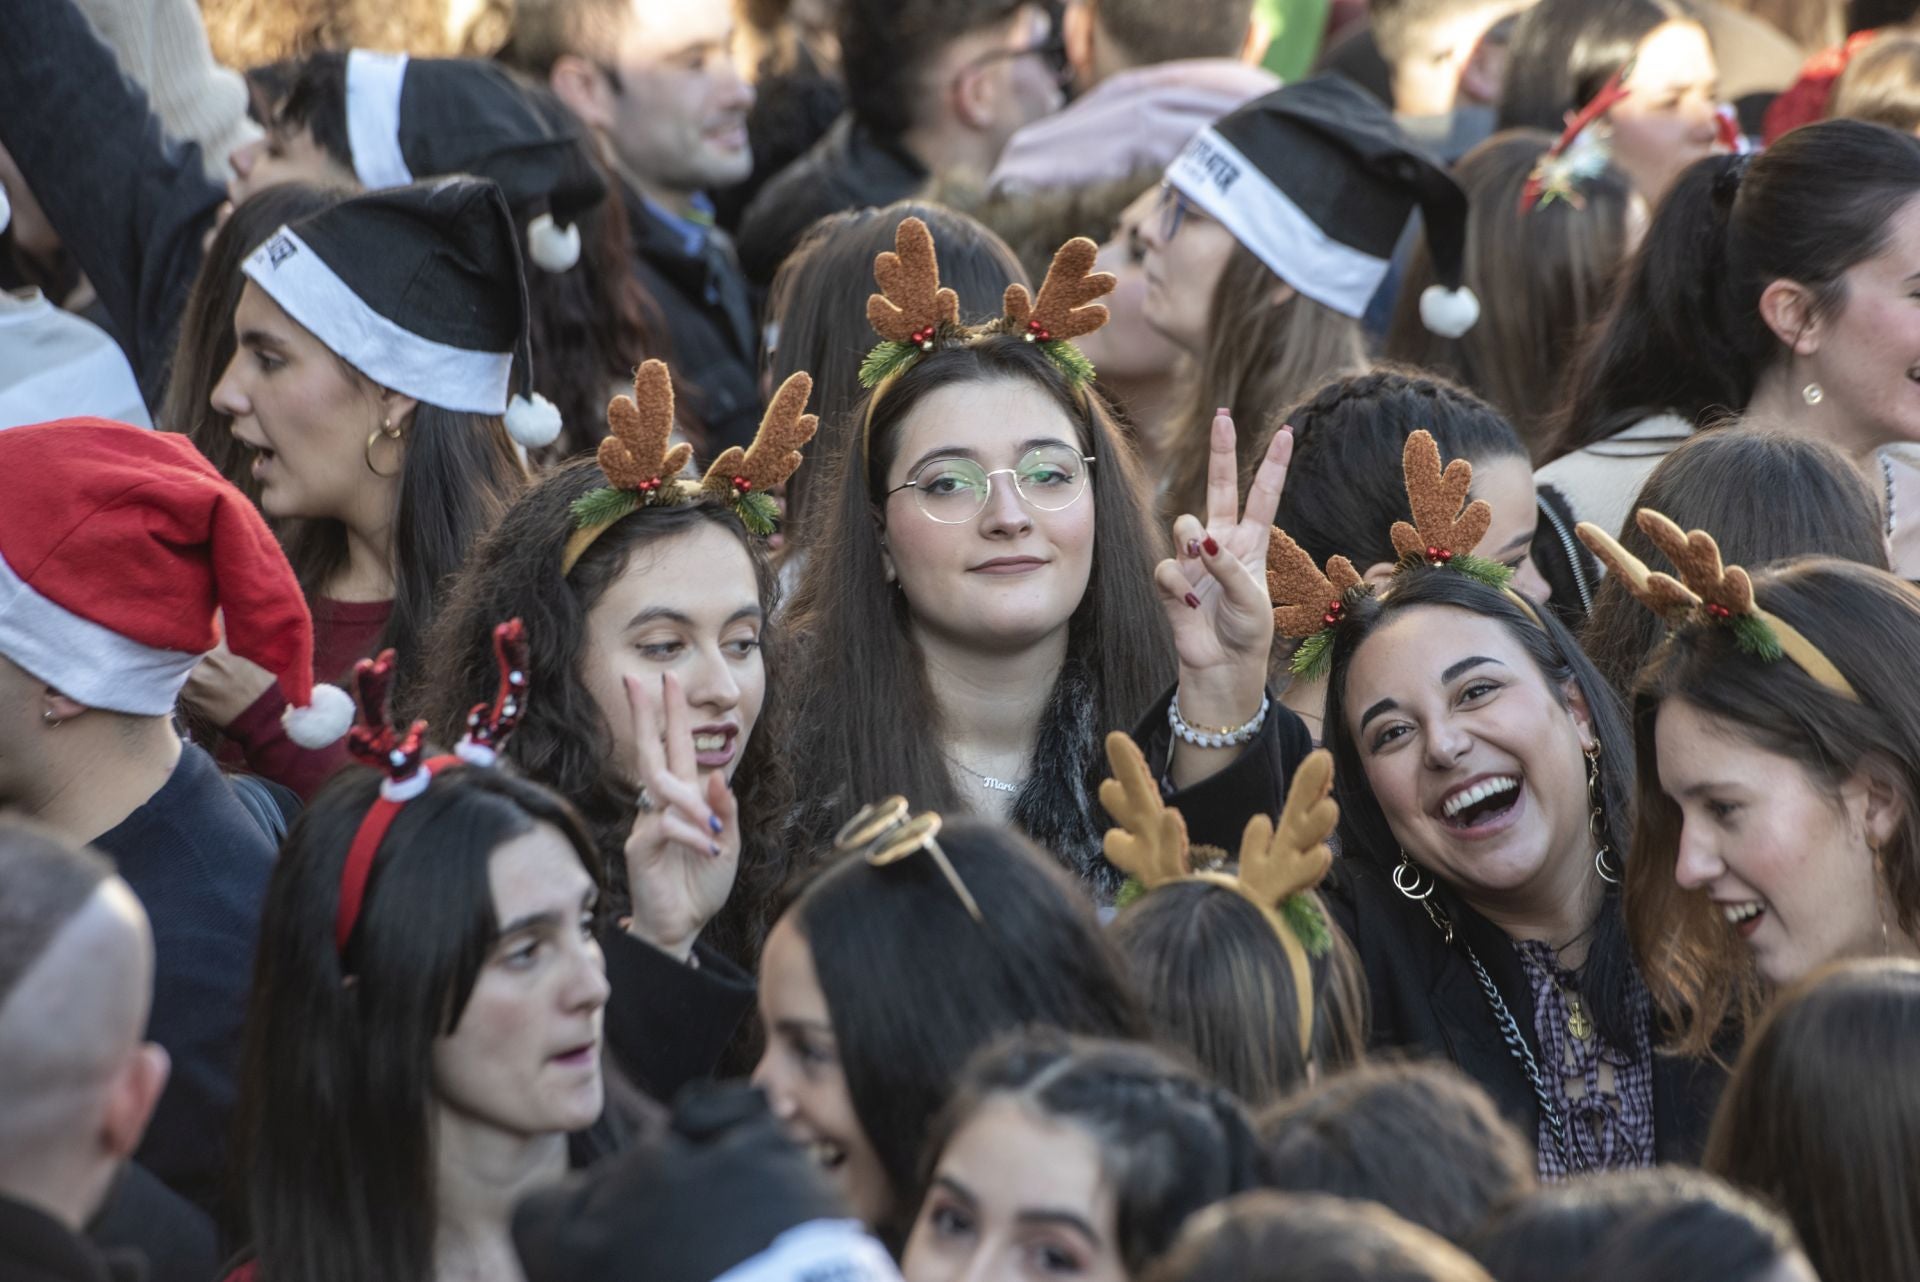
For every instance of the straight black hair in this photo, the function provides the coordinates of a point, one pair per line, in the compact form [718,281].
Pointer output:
[335,1116]
[915,986]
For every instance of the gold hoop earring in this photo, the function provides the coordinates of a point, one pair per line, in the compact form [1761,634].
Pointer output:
[53,722]
[1604,862]
[389,432]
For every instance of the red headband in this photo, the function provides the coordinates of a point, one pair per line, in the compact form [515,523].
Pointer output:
[377,742]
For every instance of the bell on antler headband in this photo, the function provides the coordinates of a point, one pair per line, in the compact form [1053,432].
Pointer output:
[377,742]
[887,831]
[913,314]
[1709,593]
[1279,863]
[1579,155]
[643,469]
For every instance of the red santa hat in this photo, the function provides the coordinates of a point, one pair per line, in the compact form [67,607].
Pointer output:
[114,556]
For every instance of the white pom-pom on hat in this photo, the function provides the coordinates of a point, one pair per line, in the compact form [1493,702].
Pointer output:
[552,247]
[534,422]
[1449,313]
[325,720]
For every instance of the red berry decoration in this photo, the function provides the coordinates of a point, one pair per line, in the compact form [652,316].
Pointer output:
[1719,611]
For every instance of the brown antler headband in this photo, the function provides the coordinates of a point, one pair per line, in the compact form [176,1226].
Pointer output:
[1279,863]
[1709,592]
[1446,527]
[913,314]
[642,470]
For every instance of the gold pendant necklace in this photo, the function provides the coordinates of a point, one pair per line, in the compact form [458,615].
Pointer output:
[1577,1022]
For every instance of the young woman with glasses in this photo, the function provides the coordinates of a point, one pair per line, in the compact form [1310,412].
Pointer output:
[979,607]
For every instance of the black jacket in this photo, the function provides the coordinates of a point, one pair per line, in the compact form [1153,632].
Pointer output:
[34,1247]
[130,204]
[667,1024]
[847,169]
[1427,1001]
[708,311]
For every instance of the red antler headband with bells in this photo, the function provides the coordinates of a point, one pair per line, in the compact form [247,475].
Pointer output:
[1579,155]
[377,742]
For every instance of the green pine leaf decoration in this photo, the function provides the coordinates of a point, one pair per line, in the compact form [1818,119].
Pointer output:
[1313,656]
[1070,360]
[1130,890]
[603,506]
[1754,637]
[885,360]
[1482,570]
[758,512]
[1309,924]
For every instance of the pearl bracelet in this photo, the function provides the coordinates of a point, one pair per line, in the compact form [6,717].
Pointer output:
[1227,737]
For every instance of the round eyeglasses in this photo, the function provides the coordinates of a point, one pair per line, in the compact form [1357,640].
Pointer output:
[953,491]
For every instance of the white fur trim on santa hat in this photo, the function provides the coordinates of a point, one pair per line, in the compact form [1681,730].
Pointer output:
[374,82]
[532,423]
[552,247]
[1449,312]
[324,721]
[90,664]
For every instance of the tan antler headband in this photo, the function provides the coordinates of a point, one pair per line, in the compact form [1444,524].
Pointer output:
[1709,592]
[1279,863]
[1308,605]
[1446,527]
[913,313]
[643,470]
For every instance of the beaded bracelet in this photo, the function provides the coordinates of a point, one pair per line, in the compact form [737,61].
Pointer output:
[1228,737]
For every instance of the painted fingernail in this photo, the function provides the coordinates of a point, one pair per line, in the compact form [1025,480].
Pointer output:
[714,851]
[1223,412]
[1213,549]
[1193,547]
[1193,602]
[713,823]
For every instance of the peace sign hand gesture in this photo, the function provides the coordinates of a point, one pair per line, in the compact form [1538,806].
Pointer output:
[684,850]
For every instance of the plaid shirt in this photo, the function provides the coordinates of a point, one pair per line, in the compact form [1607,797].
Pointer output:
[1604,1093]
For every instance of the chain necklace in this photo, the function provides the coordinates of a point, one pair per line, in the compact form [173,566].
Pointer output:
[987,781]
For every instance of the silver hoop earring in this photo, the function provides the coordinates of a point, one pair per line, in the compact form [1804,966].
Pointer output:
[1813,394]
[1603,864]
[1411,880]
[48,717]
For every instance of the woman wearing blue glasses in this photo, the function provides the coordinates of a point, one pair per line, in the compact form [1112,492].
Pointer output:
[983,605]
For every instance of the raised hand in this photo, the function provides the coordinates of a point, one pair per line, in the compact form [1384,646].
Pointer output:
[684,851]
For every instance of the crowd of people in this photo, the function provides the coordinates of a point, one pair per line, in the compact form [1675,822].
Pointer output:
[959,640]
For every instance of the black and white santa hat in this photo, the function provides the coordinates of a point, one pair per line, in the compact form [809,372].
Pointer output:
[411,118]
[421,289]
[1318,181]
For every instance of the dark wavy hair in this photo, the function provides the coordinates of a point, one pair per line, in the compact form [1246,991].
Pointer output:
[335,1115]
[1867,624]
[1171,1142]
[915,986]
[1685,335]
[1606,979]
[865,725]
[817,320]
[1218,986]
[564,740]
[1712,483]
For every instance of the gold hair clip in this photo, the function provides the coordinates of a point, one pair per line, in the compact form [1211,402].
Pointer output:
[1279,863]
[886,832]
[1709,592]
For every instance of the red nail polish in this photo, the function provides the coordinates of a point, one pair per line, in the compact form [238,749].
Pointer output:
[1213,549]
[1193,602]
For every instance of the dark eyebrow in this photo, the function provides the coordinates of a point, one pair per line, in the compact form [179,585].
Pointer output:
[956,1188]
[1385,705]
[659,613]
[961,451]
[803,1026]
[1519,540]
[548,919]
[1467,665]
[260,338]
[1065,1218]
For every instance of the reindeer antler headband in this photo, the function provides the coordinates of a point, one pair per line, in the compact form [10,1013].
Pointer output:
[1709,593]
[643,470]
[1279,863]
[1308,605]
[377,742]
[914,314]
[1579,155]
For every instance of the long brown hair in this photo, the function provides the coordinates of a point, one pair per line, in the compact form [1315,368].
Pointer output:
[1822,1118]
[1711,483]
[1259,360]
[866,726]
[1549,269]
[1867,623]
[563,739]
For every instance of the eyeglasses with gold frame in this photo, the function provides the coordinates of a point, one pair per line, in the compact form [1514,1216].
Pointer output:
[886,832]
